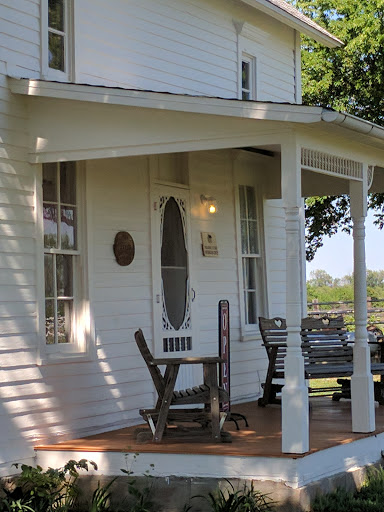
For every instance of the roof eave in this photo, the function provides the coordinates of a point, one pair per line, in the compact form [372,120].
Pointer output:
[290,20]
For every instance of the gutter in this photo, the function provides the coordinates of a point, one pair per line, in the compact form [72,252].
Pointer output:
[353,123]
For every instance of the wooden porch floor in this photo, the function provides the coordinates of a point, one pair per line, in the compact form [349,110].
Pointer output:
[330,425]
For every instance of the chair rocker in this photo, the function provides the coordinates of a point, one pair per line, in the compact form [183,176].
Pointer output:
[209,418]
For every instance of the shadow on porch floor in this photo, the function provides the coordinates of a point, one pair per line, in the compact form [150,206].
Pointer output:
[330,425]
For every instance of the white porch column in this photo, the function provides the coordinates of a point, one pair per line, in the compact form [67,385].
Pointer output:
[295,423]
[363,407]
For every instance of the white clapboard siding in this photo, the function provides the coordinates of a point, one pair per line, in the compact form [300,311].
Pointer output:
[20,34]
[178,46]
[19,47]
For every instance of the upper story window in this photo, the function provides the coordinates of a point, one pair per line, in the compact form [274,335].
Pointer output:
[56,39]
[62,257]
[252,264]
[247,79]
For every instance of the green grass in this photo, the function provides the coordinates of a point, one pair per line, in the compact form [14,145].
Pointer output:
[323,383]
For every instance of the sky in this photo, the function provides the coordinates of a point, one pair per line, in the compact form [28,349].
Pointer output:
[336,255]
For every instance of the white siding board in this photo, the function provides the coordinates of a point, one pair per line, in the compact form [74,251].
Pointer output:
[24,7]
[15,42]
[20,17]
[174,41]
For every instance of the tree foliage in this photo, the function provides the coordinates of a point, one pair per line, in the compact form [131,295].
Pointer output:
[325,288]
[348,79]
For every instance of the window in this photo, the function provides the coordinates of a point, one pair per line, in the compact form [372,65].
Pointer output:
[248,76]
[56,15]
[251,257]
[246,79]
[61,254]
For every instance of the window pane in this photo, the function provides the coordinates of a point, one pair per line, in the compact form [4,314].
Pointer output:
[64,275]
[50,225]
[68,228]
[244,237]
[251,203]
[245,273]
[68,183]
[249,272]
[50,182]
[56,58]
[64,320]
[251,309]
[245,75]
[174,261]
[243,208]
[49,322]
[56,14]
[253,242]
[48,273]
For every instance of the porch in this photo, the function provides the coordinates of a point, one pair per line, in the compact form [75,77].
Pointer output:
[255,452]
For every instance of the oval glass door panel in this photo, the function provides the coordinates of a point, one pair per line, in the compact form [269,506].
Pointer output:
[174,264]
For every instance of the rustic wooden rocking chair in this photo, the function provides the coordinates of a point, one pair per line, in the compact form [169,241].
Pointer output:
[208,393]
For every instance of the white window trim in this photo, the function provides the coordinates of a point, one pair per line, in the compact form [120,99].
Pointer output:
[250,43]
[252,76]
[250,332]
[80,348]
[48,73]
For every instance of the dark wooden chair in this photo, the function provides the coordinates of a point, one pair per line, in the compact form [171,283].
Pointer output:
[208,393]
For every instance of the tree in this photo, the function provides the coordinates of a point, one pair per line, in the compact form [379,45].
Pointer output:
[320,278]
[350,79]
[375,278]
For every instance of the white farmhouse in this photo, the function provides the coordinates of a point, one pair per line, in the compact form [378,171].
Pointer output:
[136,116]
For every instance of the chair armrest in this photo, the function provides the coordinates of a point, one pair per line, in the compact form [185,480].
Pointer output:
[187,360]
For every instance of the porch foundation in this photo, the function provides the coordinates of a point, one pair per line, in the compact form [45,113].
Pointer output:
[171,493]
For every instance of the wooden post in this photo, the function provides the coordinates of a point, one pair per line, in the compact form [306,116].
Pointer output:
[363,407]
[295,422]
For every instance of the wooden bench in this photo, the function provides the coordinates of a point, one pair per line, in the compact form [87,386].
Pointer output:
[327,354]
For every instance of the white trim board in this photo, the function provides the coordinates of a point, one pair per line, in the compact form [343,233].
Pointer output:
[295,473]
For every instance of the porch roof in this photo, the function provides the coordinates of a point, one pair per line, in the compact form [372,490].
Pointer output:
[258,110]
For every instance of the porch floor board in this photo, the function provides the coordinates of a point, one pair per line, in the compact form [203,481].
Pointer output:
[330,425]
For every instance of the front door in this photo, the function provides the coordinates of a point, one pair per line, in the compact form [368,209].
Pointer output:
[173,291]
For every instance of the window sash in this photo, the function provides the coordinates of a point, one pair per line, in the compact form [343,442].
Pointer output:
[247,78]
[60,304]
[56,40]
[251,258]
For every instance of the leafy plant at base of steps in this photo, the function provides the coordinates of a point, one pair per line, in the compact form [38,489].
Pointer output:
[35,490]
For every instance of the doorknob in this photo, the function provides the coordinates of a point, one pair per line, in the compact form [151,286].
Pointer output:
[193,294]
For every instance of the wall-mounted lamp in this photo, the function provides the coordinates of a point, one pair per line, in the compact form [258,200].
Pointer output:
[209,202]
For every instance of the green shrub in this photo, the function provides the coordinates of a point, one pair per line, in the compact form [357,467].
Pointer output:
[246,499]
[370,498]
[35,490]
